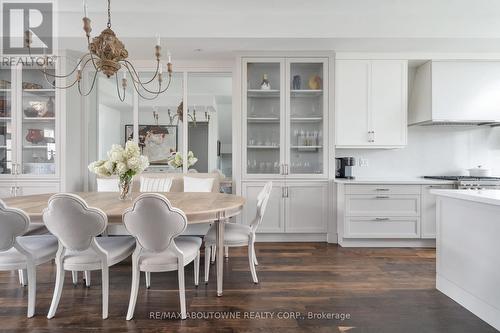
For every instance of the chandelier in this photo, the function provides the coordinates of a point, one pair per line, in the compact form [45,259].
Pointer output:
[107,54]
[179,115]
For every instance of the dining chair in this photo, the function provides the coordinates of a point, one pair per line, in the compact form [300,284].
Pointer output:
[76,226]
[19,252]
[236,235]
[34,228]
[154,184]
[156,224]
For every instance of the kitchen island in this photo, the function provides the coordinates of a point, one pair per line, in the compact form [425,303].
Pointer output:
[468,250]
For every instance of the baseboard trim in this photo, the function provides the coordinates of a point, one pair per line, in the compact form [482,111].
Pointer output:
[291,237]
[387,243]
[477,306]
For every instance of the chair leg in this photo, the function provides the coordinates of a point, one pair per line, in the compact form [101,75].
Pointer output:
[255,256]
[74,276]
[105,291]
[207,262]
[182,292]
[197,269]
[136,275]
[251,262]
[214,251]
[87,279]
[57,291]
[226,251]
[31,290]
[23,277]
[148,279]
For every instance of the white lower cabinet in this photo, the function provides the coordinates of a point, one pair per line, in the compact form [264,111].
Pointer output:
[294,207]
[14,189]
[386,211]
[382,227]
[306,208]
[429,209]
[273,221]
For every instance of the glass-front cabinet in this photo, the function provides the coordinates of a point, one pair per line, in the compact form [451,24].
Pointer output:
[285,117]
[28,127]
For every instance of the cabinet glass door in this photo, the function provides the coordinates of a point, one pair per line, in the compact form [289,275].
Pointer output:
[263,117]
[5,121]
[38,123]
[306,117]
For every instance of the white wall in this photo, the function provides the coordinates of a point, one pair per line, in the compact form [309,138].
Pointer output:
[433,151]
[109,130]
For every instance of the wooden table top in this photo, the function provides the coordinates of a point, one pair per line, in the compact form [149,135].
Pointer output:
[198,207]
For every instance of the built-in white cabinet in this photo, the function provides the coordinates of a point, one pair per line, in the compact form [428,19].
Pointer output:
[284,135]
[429,209]
[376,215]
[371,103]
[294,207]
[285,117]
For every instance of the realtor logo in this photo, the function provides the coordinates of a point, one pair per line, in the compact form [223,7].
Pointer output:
[19,17]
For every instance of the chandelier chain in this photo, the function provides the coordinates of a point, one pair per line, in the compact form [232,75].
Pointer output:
[109,14]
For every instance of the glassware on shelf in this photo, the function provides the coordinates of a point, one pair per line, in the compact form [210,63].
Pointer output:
[265,85]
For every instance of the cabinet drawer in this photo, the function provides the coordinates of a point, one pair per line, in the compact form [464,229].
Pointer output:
[382,189]
[382,205]
[382,227]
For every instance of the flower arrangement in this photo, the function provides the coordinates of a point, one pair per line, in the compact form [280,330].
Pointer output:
[176,160]
[123,162]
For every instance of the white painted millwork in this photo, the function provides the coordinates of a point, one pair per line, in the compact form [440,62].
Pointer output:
[467,250]
[428,217]
[456,90]
[394,214]
[371,103]
[299,201]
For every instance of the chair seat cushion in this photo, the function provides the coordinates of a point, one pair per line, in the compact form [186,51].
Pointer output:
[234,234]
[36,229]
[43,248]
[167,260]
[118,248]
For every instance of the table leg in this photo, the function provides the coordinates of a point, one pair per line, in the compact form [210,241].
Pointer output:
[220,254]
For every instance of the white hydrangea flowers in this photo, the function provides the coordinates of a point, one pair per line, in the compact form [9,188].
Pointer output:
[176,161]
[124,162]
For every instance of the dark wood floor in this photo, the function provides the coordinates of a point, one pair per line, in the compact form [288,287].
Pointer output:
[382,290]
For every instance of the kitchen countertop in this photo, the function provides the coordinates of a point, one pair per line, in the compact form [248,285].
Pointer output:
[395,181]
[491,197]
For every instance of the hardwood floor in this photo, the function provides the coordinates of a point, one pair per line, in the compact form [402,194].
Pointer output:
[382,290]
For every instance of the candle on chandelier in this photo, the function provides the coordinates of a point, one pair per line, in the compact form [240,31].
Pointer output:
[169,55]
[124,75]
[161,68]
[79,64]
[85,8]
[158,40]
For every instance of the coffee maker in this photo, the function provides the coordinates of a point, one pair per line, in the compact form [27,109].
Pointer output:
[344,167]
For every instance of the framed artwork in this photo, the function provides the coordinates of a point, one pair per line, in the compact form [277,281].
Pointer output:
[157,142]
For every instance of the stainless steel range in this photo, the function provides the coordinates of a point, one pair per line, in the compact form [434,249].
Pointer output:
[471,183]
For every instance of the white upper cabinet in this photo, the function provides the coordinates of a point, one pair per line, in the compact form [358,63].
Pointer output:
[371,103]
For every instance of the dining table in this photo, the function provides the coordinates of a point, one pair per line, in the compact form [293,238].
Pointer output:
[199,207]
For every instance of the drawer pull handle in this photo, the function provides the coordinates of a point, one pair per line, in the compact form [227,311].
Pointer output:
[381,219]
[382,197]
[382,189]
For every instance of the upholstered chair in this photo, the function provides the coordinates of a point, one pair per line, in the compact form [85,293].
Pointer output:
[23,252]
[76,226]
[236,235]
[156,224]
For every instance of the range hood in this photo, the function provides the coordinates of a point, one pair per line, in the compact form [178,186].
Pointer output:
[455,93]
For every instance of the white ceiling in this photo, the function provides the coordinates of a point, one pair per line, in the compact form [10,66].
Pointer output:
[221,27]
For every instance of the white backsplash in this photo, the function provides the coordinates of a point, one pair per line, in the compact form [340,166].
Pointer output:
[435,150]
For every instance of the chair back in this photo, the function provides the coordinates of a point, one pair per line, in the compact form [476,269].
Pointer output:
[73,222]
[107,185]
[13,222]
[154,222]
[262,200]
[154,184]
